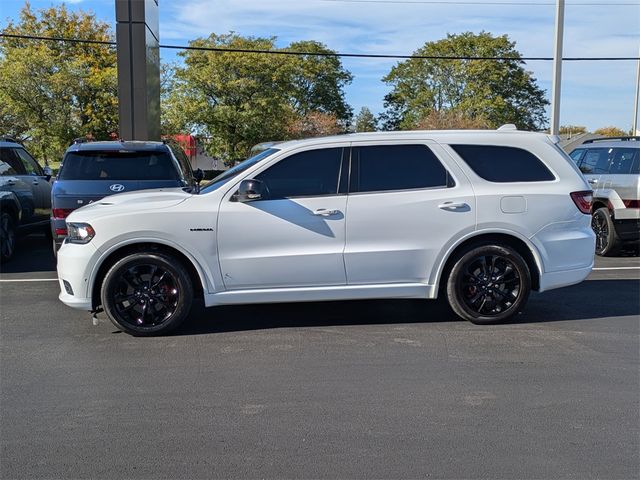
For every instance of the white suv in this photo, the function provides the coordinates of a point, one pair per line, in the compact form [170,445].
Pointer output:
[481,217]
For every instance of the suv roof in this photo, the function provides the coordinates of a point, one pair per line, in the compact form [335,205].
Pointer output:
[626,142]
[114,145]
[9,142]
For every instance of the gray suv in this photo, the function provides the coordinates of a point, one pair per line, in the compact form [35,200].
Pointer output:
[612,168]
[25,195]
[92,170]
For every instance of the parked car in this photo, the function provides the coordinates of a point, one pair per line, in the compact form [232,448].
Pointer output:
[25,195]
[92,170]
[480,217]
[612,168]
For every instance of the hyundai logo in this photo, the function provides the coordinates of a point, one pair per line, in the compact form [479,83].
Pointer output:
[116,187]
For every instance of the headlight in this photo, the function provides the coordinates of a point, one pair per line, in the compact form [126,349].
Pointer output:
[80,232]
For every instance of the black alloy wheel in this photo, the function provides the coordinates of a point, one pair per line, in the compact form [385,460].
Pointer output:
[489,284]
[147,294]
[607,242]
[7,237]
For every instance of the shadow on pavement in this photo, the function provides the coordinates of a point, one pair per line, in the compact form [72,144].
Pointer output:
[589,300]
[34,253]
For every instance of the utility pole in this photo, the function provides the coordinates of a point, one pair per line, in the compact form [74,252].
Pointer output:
[557,69]
[634,130]
[137,38]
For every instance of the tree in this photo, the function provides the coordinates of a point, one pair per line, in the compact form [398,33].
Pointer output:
[610,132]
[451,120]
[241,99]
[498,91]
[572,129]
[314,124]
[53,92]
[365,121]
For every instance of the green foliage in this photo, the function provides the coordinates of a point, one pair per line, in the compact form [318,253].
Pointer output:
[241,99]
[365,121]
[611,132]
[53,92]
[572,129]
[496,91]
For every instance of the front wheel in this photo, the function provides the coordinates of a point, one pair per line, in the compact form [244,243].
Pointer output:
[488,284]
[147,293]
[607,241]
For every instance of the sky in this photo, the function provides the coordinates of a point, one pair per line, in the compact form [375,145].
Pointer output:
[594,94]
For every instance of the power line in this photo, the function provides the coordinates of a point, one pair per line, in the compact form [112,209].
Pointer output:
[482,3]
[321,54]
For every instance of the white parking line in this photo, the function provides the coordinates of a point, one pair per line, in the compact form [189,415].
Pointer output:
[29,280]
[616,268]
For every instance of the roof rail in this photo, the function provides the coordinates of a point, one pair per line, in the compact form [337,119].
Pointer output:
[606,139]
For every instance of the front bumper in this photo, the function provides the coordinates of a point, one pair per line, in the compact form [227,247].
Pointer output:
[75,264]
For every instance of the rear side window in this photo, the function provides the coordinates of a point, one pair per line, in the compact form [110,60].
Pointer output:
[396,167]
[118,165]
[612,161]
[304,174]
[503,164]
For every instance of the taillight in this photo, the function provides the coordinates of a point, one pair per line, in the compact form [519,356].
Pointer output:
[631,203]
[61,213]
[583,200]
[61,231]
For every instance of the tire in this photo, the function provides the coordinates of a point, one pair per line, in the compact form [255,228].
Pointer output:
[7,236]
[607,241]
[147,293]
[474,288]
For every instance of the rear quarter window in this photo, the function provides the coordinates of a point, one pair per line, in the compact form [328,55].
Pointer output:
[504,164]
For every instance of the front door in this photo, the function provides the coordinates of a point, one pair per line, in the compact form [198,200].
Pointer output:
[295,235]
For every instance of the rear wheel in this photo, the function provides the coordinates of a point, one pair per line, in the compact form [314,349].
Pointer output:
[607,241]
[147,294]
[7,236]
[488,284]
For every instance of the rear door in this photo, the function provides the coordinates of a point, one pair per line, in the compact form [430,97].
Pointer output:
[405,205]
[41,187]
[12,179]
[593,164]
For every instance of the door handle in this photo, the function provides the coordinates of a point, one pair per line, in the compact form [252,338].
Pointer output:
[323,212]
[593,181]
[35,182]
[452,205]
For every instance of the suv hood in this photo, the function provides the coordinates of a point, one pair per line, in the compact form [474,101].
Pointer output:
[131,202]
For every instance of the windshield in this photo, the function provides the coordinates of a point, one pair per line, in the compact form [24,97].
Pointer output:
[118,165]
[235,171]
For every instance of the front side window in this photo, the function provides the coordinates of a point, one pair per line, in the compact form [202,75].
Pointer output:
[10,163]
[118,165]
[306,174]
[595,160]
[503,164]
[396,167]
[30,165]
[576,154]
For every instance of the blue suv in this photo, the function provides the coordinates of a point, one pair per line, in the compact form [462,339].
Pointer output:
[92,170]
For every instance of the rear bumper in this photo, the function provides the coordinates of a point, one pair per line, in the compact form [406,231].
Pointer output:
[627,229]
[563,278]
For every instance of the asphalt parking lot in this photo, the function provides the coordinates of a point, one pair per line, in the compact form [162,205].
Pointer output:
[377,389]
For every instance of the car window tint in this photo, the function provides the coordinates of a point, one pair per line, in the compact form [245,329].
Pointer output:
[395,167]
[595,160]
[624,161]
[310,173]
[183,160]
[30,165]
[504,164]
[118,165]
[10,163]
[576,154]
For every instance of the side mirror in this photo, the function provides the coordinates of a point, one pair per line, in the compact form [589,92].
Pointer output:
[198,175]
[48,172]
[250,190]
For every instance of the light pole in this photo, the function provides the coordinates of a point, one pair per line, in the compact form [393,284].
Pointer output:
[557,69]
[634,130]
